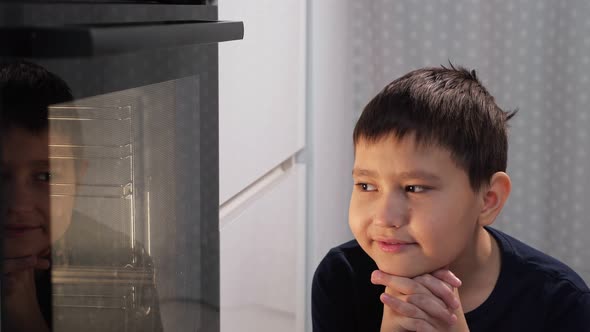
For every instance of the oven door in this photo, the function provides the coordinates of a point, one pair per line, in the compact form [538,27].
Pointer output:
[126,207]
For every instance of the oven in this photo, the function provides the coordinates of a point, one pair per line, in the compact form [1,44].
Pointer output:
[125,211]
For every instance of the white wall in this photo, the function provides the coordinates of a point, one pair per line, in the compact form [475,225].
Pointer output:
[261,260]
[330,121]
[262,187]
[261,91]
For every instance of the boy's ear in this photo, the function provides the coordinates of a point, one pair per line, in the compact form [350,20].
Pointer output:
[494,196]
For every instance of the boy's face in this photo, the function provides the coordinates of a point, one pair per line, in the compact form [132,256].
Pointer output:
[31,216]
[416,196]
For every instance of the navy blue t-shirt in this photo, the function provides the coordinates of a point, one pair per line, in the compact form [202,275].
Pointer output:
[534,292]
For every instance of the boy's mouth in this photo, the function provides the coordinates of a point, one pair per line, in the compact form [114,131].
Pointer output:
[393,245]
[15,230]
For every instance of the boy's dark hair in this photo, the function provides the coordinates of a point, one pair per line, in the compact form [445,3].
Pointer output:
[448,107]
[26,92]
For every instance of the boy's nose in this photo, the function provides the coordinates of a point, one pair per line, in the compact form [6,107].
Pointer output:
[391,211]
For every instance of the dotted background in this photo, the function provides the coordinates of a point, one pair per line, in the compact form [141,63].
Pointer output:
[531,55]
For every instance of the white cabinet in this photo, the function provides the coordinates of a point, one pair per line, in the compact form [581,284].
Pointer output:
[262,258]
[261,129]
[261,90]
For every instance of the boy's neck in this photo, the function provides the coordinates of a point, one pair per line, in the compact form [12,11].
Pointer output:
[478,269]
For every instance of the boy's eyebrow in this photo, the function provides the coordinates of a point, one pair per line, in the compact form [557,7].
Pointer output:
[44,162]
[419,174]
[363,172]
[413,174]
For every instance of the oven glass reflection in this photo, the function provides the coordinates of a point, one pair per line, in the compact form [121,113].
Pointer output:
[105,196]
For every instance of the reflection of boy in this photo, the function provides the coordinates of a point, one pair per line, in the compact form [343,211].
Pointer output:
[32,222]
[429,175]
[26,92]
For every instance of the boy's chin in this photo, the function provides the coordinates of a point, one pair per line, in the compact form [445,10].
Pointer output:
[17,250]
[405,270]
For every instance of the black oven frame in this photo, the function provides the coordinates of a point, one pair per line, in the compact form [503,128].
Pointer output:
[89,45]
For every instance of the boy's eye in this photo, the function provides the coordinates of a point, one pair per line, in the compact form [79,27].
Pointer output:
[415,188]
[43,176]
[366,187]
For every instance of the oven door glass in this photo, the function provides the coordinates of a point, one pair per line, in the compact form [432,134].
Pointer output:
[118,192]
[128,247]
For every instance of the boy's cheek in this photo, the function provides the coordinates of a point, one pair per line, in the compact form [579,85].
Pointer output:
[61,216]
[359,217]
[358,225]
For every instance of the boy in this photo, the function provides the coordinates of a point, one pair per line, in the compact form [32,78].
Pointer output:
[39,231]
[429,180]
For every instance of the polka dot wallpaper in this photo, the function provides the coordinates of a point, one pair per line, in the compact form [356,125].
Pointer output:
[531,55]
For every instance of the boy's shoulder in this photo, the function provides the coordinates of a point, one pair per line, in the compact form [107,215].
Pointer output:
[526,261]
[343,298]
[350,248]
[543,292]
[88,242]
[348,256]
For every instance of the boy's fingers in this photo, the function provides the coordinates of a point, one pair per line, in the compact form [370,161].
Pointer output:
[401,307]
[448,277]
[410,324]
[399,284]
[45,253]
[433,306]
[411,317]
[440,289]
[42,264]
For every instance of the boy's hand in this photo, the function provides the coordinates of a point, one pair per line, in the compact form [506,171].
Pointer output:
[16,271]
[21,308]
[428,302]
